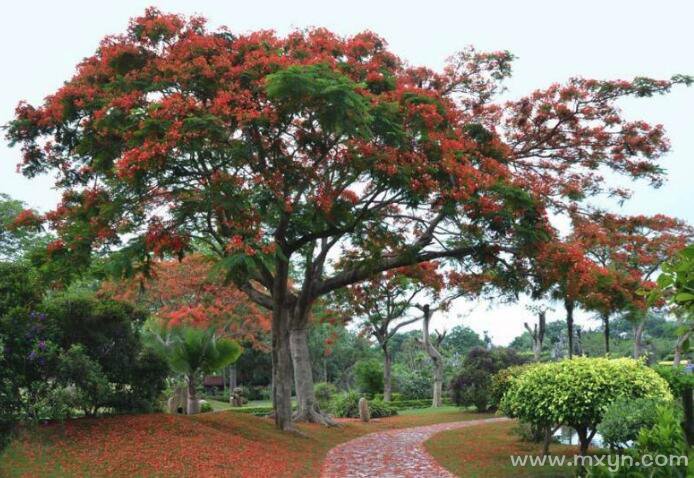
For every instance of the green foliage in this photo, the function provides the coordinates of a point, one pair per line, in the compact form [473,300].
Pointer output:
[77,369]
[205,407]
[191,350]
[413,384]
[109,334]
[332,97]
[347,406]
[369,375]
[325,392]
[676,377]
[624,418]
[577,392]
[473,383]
[15,243]
[501,381]
[528,432]
[664,439]
[70,351]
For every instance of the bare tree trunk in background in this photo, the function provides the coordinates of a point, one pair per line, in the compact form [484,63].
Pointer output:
[387,373]
[192,405]
[569,306]
[537,333]
[606,325]
[679,349]
[436,358]
[232,378]
[638,337]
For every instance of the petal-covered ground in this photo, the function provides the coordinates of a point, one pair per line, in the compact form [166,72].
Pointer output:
[392,454]
[485,451]
[223,444]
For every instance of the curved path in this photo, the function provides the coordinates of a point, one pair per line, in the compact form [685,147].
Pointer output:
[391,454]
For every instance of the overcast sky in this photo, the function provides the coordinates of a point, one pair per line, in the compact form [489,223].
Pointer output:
[43,41]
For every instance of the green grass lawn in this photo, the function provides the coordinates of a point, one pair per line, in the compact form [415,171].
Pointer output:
[485,451]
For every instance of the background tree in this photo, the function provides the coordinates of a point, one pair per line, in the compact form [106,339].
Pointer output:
[431,346]
[20,229]
[384,302]
[472,385]
[634,247]
[192,351]
[677,283]
[537,333]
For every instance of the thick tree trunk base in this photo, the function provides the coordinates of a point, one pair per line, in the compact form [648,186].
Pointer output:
[314,415]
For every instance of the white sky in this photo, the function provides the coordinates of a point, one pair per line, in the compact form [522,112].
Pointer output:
[43,41]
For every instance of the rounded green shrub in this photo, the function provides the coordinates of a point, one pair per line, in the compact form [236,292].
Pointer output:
[577,392]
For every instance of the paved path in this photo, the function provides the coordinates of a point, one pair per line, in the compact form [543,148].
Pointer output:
[391,454]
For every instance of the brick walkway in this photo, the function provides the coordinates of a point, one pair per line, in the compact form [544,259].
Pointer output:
[391,454]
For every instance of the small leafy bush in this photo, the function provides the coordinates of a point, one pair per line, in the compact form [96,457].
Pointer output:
[414,385]
[205,407]
[624,419]
[369,375]
[528,432]
[324,393]
[665,438]
[347,406]
[676,377]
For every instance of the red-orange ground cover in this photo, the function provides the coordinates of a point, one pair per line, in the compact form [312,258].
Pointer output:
[224,444]
[484,452]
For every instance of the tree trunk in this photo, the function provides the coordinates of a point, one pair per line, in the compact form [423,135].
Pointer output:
[679,346]
[547,441]
[281,369]
[232,378]
[387,376]
[638,338]
[606,324]
[436,358]
[584,441]
[307,406]
[569,306]
[193,405]
[537,333]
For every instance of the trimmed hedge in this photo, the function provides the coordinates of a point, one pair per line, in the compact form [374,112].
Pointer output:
[421,403]
[258,411]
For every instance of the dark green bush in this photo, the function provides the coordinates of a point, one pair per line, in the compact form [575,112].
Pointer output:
[324,393]
[665,438]
[473,383]
[414,384]
[624,418]
[369,375]
[205,407]
[347,406]
[676,377]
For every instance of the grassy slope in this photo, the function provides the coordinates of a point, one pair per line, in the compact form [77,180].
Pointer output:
[213,444]
[485,451]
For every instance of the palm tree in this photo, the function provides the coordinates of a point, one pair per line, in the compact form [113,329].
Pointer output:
[192,351]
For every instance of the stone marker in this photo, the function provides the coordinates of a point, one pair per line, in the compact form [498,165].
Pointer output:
[364,413]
